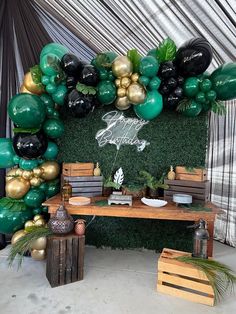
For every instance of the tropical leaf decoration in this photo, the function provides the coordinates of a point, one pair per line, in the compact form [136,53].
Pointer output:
[85,89]
[218,107]
[135,58]
[119,177]
[166,50]
[36,75]
[151,182]
[220,276]
[22,130]
[102,61]
[184,105]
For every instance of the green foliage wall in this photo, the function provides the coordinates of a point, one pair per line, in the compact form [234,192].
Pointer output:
[174,140]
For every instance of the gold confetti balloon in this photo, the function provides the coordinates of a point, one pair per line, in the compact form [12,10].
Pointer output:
[125,82]
[38,255]
[17,235]
[122,103]
[37,172]
[29,84]
[136,93]
[51,170]
[17,188]
[122,67]
[134,77]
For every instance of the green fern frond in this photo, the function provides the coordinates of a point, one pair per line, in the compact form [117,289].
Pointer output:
[184,105]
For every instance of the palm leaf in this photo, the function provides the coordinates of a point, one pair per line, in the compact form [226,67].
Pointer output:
[166,50]
[102,61]
[184,105]
[22,130]
[218,107]
[135,58]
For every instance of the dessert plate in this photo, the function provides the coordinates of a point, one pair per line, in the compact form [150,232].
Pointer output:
[153,202]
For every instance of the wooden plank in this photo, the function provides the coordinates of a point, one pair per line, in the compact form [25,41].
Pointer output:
[78,165]
[86,179]
[75,249]
[86,184]
[195,171]
[49,259]
[62,262]
[68,260]
[195,196]
[190,177]
[55,263]
[87,189]
[208,300]
[186,189]
[81,257]
[187,183]
[90,194]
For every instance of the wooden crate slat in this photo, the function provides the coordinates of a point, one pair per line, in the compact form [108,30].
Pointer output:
[86,194]
[195,196]
[87,189]
[77,184]
[80,258]
[186,189]
[75,244]
[197,174]
[69,260]
[187,183]
[62,261]
[84,179]
[55,263]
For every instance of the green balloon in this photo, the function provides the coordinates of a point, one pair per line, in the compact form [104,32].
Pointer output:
[54,115]
[200,97]
[205,85]
[154,83]
[206,106]
[194,109]
[45,79]
[211,95]
[7,154]
[224,81]
[16,159]
[152,52]
[34,198]
[51,152]
[191,86]
[27,111]
[13,215]
[38,211]
[50,64]
[148,66]
[54,48]
[144,80]
[203,76]
[111,55]
[152,106]
[103,74]
[47,100]
[53,128]
[28,164]
[59,95]
[106,92]
[51,88]
[53,189]
[43,187]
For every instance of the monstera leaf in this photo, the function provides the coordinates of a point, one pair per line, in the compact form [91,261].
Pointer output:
[119,177]
[134,57]
[85,89]
[166,50]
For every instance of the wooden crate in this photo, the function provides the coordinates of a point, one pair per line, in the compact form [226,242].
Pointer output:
[183,280]
[65,259]
[196,174]
[198,190]
[85,186]
[78,169]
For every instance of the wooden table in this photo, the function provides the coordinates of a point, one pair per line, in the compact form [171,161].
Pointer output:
[139,210]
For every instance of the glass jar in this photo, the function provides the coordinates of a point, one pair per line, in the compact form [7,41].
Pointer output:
[66,191]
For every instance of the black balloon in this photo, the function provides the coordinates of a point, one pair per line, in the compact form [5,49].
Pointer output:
[167,69]
[71,65]
[89,75]
[29,145]
[71,82]
[172,101]
[171,83]
[180,80]
[179,91]
[193,57]
[79,105]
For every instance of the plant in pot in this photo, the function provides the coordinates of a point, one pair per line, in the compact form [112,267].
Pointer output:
[153,185]
[137,190]
[114,184]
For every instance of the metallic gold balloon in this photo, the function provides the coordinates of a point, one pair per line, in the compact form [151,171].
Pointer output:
[27,174]
[11,174]
[134,77]
[17,235]
[29,223]
[122,103]
[19,172]
[125,82]
[122,66]
[39,244]
[136,93]
[121,92]
[17,188]
[117,82]
[51,170]
[38,255]
[35,181]
[23,89]
[37,217]
[31,86]
[40,222]
[37,172]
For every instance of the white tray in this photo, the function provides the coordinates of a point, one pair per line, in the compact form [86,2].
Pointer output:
[153,202]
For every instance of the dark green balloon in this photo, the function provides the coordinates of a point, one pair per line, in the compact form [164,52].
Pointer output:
[205,85]
[200,97]
[34,198]
[194,109]
[144,80]
[51,88]
[103,74]
[47,100]
[28,164]
[7,154]
[224,81]
[148,66]
[152,52]
[45,79]
[59,95]
[54,48]
[52,151]
[13,215]
[43,187]
[191,86]
[154,83]
[53,188]
[27,111]
[152,106]
[53,128]
[111,55]
[106,92]
[211,95]
[50,64]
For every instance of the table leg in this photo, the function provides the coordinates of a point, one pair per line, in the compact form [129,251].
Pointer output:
[210,227]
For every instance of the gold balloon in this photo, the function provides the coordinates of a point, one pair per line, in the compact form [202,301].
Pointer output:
[19,172]
[51,170]
[39,244]
[17,235]
[38,255]
[40,222]
[31,86]
[27,174]
[23,89]
[122,66]
[117,82]
[17,188]
[121,92]
[35,181]
[122,103]
[10,174]
[37,172]
[136,93]
[37,217]
[29,223]
[134,77]
[125,82]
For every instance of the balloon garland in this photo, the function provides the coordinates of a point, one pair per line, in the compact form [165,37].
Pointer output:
[167,77]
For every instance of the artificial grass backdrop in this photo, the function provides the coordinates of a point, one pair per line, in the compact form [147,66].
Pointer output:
[174,140]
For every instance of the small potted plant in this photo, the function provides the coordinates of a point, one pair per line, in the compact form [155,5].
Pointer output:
[110,184]
[153,185]
[137,190]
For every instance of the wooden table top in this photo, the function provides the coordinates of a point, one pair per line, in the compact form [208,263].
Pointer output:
[137,210]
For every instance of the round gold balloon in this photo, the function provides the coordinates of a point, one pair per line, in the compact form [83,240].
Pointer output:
[31,86]
[122,66]
[134,77]
[19,172]
[39,244]
[117,82]
[38,255]
[125,82]
[40,222]
[29,223]
[17,235]
[51,170]
[17,188]
[122,103]
[27,174]
[37,217]
[37,172]
[136,93]
[121,92]
[10,174]
[23,89]
[35,181]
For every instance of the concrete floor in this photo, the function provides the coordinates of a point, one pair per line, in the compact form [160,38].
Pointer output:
[115,282]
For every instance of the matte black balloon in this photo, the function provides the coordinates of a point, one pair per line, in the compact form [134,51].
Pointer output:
[180,80]
[164,89]
[172,101]
[171,83]
[167,70]
[179,92]
[71,82]
[193,57]
[79,105]
[71,65]
[29,145]
[89,75]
